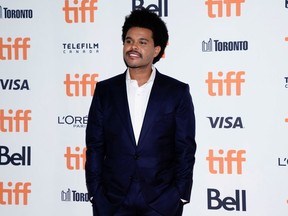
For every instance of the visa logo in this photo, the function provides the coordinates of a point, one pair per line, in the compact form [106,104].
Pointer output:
[225,122]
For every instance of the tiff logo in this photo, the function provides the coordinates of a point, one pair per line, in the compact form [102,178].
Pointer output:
[76,160]
[73,86]
[216,86]
[218,6]
[223,163]
[11,49]
[161,7]
[76,12]
[11,194]
[13,121]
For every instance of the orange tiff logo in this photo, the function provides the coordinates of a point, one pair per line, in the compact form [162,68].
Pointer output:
[218,6]
[12,193]
[76,12]
[12,49]
[13,121]
[81,82]
[226,162]
[75,160]
[217,85]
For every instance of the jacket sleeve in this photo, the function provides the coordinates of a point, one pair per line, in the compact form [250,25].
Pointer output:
[95,149]
[185,145]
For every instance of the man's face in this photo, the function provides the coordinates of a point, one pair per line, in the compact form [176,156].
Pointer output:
[139,50]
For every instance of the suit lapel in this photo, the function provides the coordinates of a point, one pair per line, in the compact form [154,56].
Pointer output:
[153,107]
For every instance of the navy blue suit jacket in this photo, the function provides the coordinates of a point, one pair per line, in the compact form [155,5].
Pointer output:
[162,161]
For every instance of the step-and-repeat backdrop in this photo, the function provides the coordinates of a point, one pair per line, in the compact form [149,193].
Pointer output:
[232,53]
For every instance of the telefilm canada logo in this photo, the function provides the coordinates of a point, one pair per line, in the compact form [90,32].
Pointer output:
[224,46]
[73,196]
[80,48]
[286,82]
[15,13]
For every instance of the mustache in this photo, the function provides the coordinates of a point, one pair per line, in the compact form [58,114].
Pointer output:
[133,52]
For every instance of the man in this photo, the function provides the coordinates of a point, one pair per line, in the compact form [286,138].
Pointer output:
[140,134]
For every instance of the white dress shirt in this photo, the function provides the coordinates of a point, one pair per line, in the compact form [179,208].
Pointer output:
[138,97]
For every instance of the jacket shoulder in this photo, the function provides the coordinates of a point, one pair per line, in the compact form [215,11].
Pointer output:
[171,82]
[112,80]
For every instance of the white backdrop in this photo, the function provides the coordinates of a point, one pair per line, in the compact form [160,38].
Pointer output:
[52,55]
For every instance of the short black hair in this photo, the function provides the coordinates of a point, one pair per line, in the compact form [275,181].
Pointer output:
[144,18]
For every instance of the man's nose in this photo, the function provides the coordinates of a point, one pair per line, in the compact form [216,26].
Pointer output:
[134,46]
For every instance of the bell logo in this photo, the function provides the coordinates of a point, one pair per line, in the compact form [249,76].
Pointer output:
[16,159]
[76,160]
[161,8]
[224,163]
[11,49]
[73,86]
[12,193]
[226,82]
[236,203]
[14,120]
[218,4]
[76,12]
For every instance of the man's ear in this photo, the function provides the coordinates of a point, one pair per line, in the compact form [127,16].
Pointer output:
[157,50]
